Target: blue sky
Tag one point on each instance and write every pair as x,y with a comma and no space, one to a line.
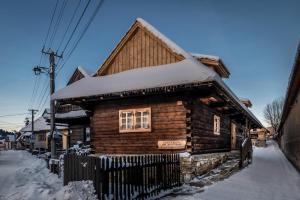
257,41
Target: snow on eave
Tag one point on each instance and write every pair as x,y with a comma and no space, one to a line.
291,93
71,114
172,45
85,72
187,71
239,102
198,55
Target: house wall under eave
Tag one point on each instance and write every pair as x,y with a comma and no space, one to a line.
168,122
290,140
203,138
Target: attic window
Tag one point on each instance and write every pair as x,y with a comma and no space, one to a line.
217,122
135,120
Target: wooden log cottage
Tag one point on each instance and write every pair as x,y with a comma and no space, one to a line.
74,116
151,96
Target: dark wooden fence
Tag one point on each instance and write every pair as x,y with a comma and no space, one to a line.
126,177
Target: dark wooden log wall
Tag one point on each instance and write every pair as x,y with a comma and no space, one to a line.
168,123
203,138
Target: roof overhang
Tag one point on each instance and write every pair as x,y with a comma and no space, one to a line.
292,89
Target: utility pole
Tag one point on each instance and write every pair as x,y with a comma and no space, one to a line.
51,71
33,111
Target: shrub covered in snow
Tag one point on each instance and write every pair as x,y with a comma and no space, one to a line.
80,149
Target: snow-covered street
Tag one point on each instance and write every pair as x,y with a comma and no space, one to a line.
271,176
26,177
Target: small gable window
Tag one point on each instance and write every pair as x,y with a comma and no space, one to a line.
135,120
217,123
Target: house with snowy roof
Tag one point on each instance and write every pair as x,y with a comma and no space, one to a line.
40,137
151,96
74,116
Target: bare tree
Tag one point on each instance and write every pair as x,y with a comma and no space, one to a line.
272,113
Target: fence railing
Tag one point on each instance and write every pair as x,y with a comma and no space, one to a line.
246,151
125,177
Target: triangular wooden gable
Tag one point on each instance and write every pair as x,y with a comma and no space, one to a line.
77,75
140,47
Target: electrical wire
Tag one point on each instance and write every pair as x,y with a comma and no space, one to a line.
82,34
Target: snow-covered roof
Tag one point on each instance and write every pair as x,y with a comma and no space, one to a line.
40,124
172,45
27,134
71,114
85,72
183,72
198,55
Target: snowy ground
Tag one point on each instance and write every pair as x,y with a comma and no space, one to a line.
25,177
271,176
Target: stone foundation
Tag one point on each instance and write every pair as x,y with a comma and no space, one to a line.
197,165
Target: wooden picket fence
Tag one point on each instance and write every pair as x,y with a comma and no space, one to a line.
125,177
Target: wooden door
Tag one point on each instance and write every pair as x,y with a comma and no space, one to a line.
233,136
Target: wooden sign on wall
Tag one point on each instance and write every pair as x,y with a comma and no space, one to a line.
171,144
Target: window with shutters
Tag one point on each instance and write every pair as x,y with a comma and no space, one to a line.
217,123
135,120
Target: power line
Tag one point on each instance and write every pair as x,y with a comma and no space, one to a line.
68,27
43,107
42,101
12,115
73,32
33,97
59,17
82,34
43,88
49,28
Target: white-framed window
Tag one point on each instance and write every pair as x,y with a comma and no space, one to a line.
217,125
135,120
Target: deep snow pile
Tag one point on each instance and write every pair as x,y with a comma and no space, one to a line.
79,190
270,176
26,177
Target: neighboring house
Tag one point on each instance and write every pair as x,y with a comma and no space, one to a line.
41,134
259,137
78,120
151,96
289,129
